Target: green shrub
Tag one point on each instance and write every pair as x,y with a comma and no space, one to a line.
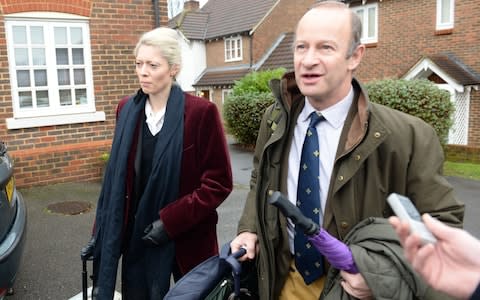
420,98
256,81
244,107
243,114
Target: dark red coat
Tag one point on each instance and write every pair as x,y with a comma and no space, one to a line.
206,181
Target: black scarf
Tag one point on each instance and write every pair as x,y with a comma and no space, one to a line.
162,188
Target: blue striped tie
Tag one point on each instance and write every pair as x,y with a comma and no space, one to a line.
307,259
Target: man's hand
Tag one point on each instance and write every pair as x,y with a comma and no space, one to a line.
87,251
355,285
155,234
246,240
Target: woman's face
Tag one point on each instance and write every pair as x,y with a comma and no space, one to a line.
154,73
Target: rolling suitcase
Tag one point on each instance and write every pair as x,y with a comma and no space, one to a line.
85,259
220,277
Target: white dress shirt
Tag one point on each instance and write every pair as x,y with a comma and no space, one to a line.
154,120
329,132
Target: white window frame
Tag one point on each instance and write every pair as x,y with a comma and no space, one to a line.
54,113
233,48
362,12
441,25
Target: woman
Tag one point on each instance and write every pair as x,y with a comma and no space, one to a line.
168,171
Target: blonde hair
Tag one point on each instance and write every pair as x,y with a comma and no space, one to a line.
166,40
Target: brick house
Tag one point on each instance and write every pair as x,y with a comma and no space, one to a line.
438,40
236,36
64,67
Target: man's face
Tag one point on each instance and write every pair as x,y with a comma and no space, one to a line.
322,70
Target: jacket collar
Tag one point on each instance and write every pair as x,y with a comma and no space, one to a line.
288,94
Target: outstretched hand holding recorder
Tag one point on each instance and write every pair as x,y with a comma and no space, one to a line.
406,211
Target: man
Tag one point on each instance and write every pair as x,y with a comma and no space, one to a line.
366,151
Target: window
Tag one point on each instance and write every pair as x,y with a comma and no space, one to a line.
233,49
50,71
369,16
445,9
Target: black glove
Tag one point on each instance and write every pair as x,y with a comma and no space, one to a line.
87,251
155,234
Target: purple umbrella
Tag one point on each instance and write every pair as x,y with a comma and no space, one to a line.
335,251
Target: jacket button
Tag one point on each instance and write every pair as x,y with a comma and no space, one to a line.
340,178
344,225
357,157
377,134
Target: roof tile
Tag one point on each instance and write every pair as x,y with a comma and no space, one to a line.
281,55
221,77
456,69
219,18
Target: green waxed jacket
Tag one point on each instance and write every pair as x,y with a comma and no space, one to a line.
375,245
381,151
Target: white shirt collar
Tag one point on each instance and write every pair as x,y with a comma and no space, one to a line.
154,120
335,114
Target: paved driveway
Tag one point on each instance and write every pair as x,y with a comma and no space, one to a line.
51,268
469,192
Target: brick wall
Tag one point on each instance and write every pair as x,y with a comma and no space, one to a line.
407,33
215,50
460,153
283,18
216,97
474,121
65,153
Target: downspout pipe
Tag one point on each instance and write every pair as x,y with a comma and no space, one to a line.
157,13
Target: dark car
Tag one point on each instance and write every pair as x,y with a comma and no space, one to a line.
13,224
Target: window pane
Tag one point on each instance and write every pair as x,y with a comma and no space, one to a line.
60,35
21,57
77,56
42,99
25,99
79,76
19,34
227,49
360,14
40,77
234,48
65,97
63,77
76,36
239,48
81,96
36,35
62,56
23,78
371,22
445,11
38,57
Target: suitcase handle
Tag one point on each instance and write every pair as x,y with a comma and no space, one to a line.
232,260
